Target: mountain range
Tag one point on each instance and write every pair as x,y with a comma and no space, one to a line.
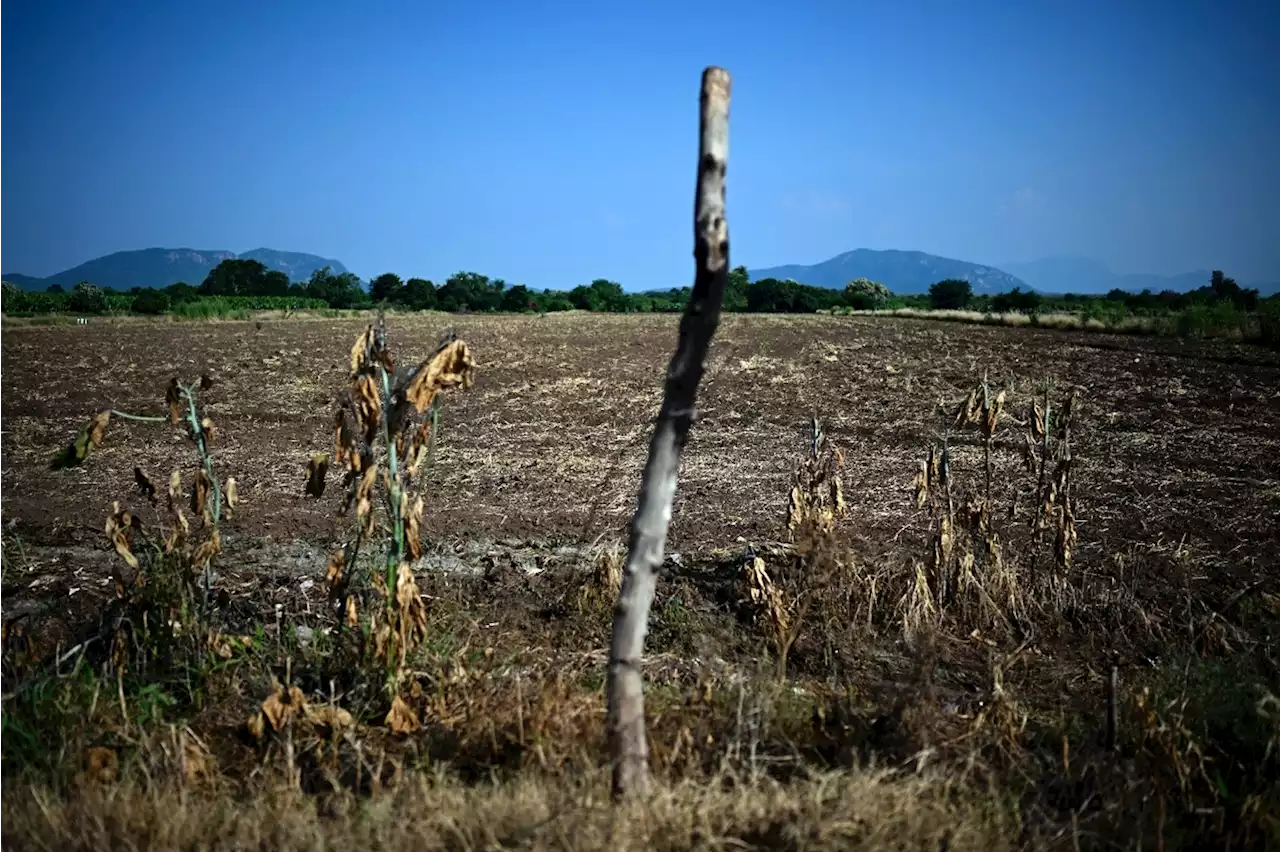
913,271
160,267
900,271
1085,275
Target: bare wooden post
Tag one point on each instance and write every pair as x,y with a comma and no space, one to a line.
628,748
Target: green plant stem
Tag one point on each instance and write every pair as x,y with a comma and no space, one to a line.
206,460
124,415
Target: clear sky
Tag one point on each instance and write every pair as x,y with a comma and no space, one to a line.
551,143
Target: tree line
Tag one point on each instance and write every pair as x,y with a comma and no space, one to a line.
246,284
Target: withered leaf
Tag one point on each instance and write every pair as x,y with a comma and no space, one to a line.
368,402
360,351
232,496
197,762
89,437
200,496
144,485
344,438
175,489
173,399
413,530
206,551
207,431
400,718
337,562
1037,421
326,715
452,366
364,495
98,427
119,529
282,706
317,469
101,765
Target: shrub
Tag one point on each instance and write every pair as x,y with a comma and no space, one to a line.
865,295
950,294
1269,323
1016,300
11,298
87,298
1219,320
150,302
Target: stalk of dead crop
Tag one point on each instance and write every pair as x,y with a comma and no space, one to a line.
1043,428
625,693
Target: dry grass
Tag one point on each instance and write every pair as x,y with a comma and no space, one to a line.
869,809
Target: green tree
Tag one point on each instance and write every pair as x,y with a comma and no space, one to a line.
735,291
418,294
863,294
387,287
1016,300
273,283
180,292
468,291
11,296
601,295
517,299
54,288
235,277
771,296
1226,289
340,291
87,298
551,301
950,294
150,302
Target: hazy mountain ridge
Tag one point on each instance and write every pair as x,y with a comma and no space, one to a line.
900,271
1088,276
26,282
160,267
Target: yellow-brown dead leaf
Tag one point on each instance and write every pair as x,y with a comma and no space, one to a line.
173,399
400,718
317,469
101,765
452,366
282,706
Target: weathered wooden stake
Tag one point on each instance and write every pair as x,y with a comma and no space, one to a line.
628,749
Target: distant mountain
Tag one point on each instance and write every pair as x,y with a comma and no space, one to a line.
1084,275
160,267
297,265
900,271
26,282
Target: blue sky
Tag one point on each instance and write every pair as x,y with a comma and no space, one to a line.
551,143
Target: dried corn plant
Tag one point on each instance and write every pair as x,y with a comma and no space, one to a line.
165,568
384,431
1055,512
599,590
970,573
807,573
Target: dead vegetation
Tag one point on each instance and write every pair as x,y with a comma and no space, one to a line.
937,656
